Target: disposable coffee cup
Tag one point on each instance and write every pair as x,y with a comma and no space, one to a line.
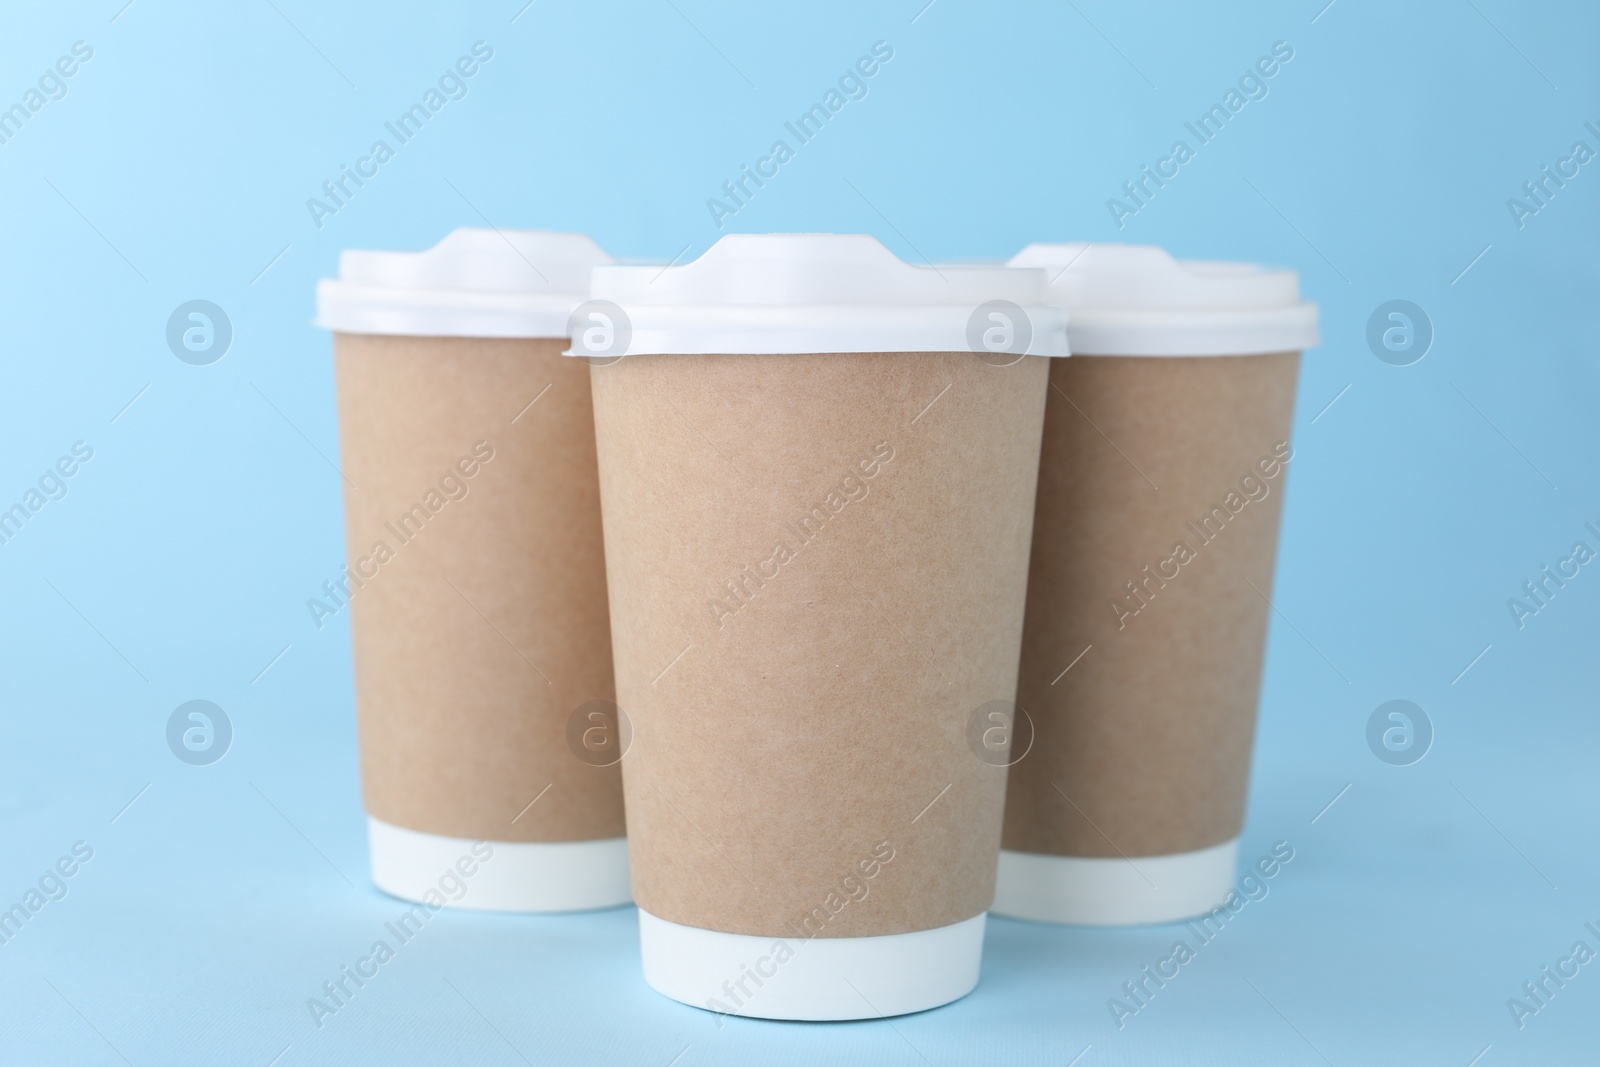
476,581
1161,481
818,497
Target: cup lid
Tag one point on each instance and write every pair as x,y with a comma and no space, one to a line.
476,282
827,292
1136,300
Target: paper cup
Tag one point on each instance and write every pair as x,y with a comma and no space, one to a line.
817,507
476,583
1161,481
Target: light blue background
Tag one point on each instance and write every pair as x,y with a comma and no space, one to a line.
177,167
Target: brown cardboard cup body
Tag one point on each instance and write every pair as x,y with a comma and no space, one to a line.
817,567
1143,747
480,622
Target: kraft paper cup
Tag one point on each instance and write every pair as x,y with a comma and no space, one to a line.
1161,481
818,498
476,583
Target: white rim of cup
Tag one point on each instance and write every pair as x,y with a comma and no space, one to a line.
520,876
1114,891
817,979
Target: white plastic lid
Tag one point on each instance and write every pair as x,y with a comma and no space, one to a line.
826,292
1136,300
474,283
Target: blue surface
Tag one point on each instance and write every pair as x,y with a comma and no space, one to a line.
176,166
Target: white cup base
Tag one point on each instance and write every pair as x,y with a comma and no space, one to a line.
816,979
1094,891
531,876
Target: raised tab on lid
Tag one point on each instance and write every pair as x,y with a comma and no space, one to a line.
475,283
475,258
795,293
1137,300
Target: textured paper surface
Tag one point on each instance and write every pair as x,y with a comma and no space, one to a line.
1143,746
483,632
799,765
